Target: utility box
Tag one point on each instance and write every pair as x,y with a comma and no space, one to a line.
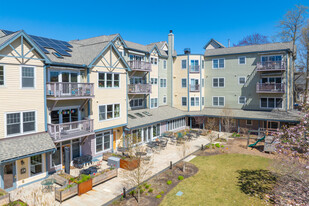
113,162
270,144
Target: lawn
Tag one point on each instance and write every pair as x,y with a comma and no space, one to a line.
216,181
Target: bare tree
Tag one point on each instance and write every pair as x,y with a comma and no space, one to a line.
253,39
291,26
183,152
227,120
305,54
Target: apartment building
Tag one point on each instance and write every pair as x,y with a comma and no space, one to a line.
61,100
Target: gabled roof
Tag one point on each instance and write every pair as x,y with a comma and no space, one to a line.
284,46
214,42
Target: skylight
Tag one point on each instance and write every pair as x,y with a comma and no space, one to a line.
139,115
131,116
147,113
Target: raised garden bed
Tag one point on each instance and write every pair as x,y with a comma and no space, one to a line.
104,176
4,197
129,164
84,187
62,178
66,191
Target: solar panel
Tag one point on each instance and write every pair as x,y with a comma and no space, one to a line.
60,47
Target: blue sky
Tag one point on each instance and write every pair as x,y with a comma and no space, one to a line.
193,22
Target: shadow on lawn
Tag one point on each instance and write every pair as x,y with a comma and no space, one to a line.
258,183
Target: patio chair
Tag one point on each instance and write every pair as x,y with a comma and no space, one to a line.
164,144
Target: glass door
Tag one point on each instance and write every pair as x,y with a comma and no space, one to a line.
8,176
69,77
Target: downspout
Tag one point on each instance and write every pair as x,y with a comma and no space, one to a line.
286,86
88,80
188,84
201,83
45,105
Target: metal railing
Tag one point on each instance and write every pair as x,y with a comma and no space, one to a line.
271,65
139,88
69,129
69,89
270,88
194,87
194,68
140,65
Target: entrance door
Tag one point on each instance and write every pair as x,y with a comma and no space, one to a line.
8,176
69,89
63,154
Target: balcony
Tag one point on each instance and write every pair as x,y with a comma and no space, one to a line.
194,87
69,90
271,66
139,88
194,69
70,130
137,65
270,88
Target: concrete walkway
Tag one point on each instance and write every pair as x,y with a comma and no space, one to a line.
105,192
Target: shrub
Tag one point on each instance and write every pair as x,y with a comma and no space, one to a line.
169,182
141,191
150,190
207,146
217,145
83,178
162,192
147,186
72,179
158,196
222,146
132,192
180,177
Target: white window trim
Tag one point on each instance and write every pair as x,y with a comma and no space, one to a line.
150,103
137,106
4,75
242,57
242,103
181,64
249,124
104,120
21,123
21,77
239,80
212,99
212,83
29,166
272,55
181,83
267,103
186,102
110,141
163,83
154,83
113,81
164,63
218,63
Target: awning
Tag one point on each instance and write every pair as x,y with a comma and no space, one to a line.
14,148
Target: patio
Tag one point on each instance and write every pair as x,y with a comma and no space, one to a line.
108,190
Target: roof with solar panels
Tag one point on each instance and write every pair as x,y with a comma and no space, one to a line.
80,52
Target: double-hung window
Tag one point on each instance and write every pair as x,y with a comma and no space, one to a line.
218,82
195,101
163,83
109,80
184,101
241,100
164,99
154,60
218,63
218,101
103,141
183,64
1,75
154,81
110,111
27,77
183,83
153,102
241,60
20,122
241,80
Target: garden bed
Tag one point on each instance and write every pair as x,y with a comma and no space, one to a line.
4,197
104,176
153,191
62,178
66,191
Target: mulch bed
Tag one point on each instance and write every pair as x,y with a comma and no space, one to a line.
159,184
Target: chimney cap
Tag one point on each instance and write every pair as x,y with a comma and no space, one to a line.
171,31
187,51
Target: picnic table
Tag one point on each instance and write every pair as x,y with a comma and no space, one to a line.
48,184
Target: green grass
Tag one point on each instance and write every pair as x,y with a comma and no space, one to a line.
216,183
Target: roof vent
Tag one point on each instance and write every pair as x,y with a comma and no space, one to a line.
187,51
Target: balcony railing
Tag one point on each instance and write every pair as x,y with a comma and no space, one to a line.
69,90
140,88
194,69
140,65
70,130
270,88
194,87
271,66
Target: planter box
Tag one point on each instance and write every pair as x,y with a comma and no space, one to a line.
4,199
60,180
62,194
84,187
104,177
129,164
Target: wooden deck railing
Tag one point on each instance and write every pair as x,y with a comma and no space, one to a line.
70,129
140,65
270,88
271,66
69,89
140,88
